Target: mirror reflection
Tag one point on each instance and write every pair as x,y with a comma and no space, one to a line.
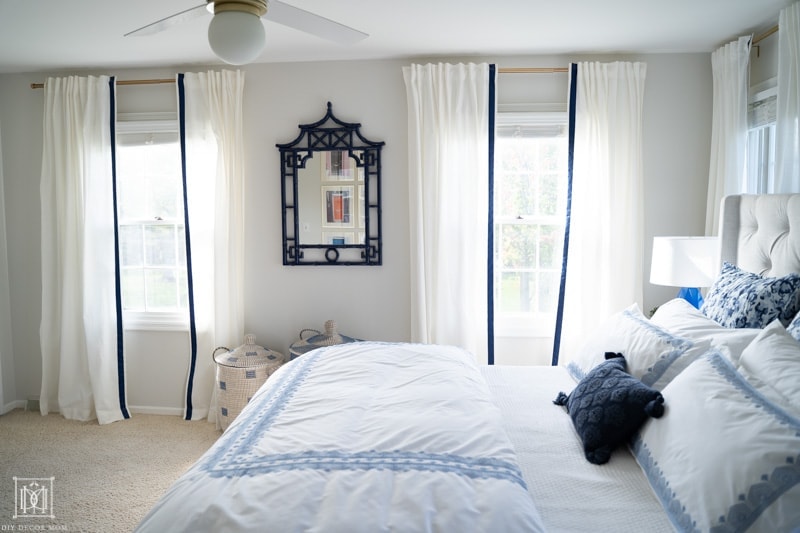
331,199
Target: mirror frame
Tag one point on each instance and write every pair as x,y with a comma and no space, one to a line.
324,135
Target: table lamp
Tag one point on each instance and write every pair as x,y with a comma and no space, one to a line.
686,262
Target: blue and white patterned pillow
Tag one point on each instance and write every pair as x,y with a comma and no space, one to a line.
740,299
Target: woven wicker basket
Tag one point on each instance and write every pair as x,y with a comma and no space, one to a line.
329,337
240,373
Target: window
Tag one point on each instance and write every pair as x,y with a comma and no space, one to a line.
760,155
151,223
530,195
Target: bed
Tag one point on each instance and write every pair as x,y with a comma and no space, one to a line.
374,436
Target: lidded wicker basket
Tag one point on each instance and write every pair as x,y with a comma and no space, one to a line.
240,373
328,337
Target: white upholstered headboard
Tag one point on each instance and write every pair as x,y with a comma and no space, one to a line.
761,233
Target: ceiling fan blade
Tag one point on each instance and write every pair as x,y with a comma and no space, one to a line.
167,22
302,20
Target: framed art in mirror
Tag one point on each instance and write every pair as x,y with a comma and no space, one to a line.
331,195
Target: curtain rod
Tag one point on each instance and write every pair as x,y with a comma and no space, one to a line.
766,34
122,82
531,70
507,70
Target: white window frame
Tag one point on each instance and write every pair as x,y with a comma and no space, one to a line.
128,123
760,154
535,324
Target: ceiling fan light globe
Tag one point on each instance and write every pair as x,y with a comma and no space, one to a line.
236,38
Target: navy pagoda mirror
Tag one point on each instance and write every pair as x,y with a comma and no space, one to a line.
331,195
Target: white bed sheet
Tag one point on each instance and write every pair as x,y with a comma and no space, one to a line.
571,494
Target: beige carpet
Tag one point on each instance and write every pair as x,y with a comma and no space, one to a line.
105,478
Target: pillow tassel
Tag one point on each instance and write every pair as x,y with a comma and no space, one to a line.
655,407
561,399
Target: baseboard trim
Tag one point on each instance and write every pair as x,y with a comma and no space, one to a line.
134,409
151,410
16,404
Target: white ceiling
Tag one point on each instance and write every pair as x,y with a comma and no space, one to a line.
56,35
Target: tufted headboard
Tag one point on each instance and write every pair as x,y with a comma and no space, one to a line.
761,233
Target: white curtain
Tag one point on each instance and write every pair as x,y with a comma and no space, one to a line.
787,124
214,156
604,266
82,368
448,118
728,126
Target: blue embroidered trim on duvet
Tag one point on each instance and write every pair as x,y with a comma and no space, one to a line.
233,456
397,461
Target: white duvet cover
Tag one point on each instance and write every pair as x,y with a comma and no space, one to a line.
359,437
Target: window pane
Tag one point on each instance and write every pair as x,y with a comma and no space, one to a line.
181,245
163,158
162,289
183,290
518,245
130,243
549,283
550,194
760,157
131,190
133,289
513,295
160,245
551,245
516,195
551,154
163,196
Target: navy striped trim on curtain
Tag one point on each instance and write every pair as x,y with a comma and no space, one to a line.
189,276
490,254
573,85
123,404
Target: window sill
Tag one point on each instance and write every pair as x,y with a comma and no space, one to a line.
530,325
155,321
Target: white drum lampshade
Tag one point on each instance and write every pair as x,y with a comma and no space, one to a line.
686,262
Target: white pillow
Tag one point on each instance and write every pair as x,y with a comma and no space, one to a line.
681,318
653,354
722,456
772,364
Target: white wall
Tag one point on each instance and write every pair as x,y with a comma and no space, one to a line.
8,388
367,302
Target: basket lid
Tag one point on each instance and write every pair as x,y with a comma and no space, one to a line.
248,355
329,337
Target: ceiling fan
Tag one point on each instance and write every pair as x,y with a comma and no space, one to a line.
236,33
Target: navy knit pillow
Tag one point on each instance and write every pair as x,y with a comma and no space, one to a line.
608,406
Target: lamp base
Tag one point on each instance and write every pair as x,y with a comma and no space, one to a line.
691,295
